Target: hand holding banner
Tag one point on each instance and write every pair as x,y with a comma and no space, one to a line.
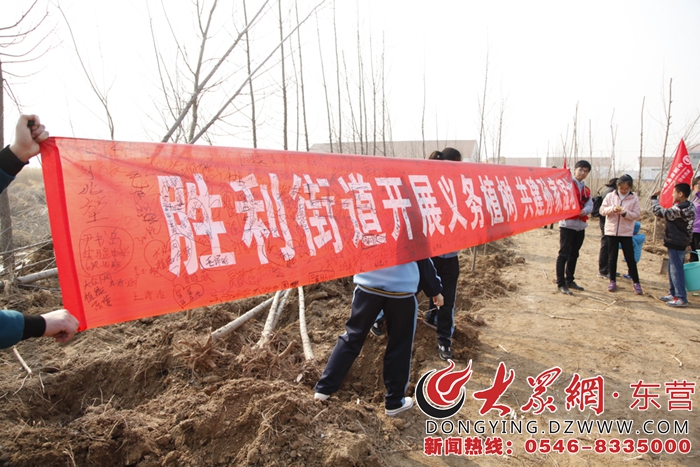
144,229
681,171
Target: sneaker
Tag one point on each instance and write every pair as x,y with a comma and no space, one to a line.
377,329
627,276
574,285
612,286
444,352
677,303
638,288
667,298
407,404
603,275
321,397
565,290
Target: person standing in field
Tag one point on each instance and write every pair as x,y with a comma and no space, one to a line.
621,209
677,235
442,318
572,231
393,291
603,256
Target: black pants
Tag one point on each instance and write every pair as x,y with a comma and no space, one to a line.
570,242
627,251
401,315
695,245
448,270
603,255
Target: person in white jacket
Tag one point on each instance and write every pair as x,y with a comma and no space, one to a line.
621,209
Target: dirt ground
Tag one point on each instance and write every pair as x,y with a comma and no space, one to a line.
151,392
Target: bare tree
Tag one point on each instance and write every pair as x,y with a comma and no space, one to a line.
301,80
284,76
17,46
101,94
564,145
422,120
384,102
690,133
353,121
337,75
575,135
590,141
361,111
613,135
237,92
499,131
325,87
375,91
482,112
204,73
641,147
253,117
668,126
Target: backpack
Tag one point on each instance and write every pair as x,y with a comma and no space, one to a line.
597,203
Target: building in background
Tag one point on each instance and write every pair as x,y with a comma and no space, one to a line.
421,150
405,149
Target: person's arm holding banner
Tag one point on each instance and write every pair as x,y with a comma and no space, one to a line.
29,133
14,326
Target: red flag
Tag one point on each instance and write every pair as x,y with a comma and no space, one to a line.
681,171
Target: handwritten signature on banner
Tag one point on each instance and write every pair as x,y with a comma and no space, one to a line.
155,228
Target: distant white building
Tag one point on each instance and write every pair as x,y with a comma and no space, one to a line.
421,150
651,166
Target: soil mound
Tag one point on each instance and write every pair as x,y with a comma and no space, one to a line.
156,392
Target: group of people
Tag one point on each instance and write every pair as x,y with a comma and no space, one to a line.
619,212
384,301
15,326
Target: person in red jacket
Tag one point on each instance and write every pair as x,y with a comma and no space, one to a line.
572,231
621,209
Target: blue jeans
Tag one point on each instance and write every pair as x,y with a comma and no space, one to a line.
676,274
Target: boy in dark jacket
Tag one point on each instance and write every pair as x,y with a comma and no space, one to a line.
677,236
392,290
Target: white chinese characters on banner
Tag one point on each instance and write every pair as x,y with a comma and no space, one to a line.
189,211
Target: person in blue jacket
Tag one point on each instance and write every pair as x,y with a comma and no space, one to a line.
392,290
14,326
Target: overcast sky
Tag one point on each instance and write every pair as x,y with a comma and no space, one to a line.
544,57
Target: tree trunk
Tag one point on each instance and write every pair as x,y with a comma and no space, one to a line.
301,77
253,122
284,77
337,75
641,147
5,213
325,87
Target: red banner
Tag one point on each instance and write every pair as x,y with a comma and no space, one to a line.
145,229
681,171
